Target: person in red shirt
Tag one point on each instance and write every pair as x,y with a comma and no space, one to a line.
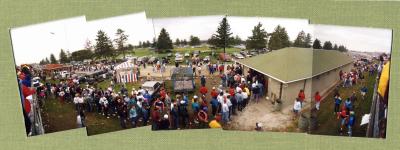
232,91
317,98
301,97
214,93
162,94
203,90
221,69
155,116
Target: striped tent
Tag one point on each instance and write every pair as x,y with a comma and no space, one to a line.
126,72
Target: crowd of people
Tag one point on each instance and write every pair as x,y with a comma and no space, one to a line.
210,105
344,107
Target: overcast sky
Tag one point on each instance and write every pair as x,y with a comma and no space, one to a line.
136,26
35,42
243,26
182,27
356,38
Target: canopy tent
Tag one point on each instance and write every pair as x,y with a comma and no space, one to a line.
126,72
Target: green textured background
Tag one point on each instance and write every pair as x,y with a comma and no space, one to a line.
383,14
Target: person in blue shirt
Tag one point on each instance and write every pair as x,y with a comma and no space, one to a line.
351,122
348,104
214,106
338,101
133,115
364,91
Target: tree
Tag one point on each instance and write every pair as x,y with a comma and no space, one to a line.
222,38
63,57
177,42
154,43
53,59
47,61
258,40
300,40
103,46
121,40
184,42
193,40
42,62
237,40
279,39
342,48
307,41
317,44
81,55
327,45
164,42
335,47
140,44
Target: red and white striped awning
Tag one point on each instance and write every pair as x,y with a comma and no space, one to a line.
125,65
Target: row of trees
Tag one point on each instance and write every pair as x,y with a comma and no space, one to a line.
65,57
104,47
261,39
329,46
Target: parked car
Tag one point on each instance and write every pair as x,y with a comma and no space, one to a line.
169,55
143,59
187,54
224,57
178,58
196,53
253,52
153,60
238,56
245,53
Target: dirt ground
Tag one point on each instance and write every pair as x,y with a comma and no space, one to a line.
262,112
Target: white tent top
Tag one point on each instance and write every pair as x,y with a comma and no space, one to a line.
125,65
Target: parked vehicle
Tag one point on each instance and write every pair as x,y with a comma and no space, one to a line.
169,55
143,59
238,56
196,53
153,60
187,55
178,58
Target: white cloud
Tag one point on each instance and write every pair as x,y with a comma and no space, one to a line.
136,26
356,38
242,26
35,42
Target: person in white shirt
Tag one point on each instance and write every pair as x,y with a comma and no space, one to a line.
225,111
104,105
297,106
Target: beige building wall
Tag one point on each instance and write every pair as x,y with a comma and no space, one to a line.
325,82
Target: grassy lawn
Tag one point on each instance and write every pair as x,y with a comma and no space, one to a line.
328,124
57,116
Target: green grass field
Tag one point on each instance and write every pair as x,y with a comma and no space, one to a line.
328,124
